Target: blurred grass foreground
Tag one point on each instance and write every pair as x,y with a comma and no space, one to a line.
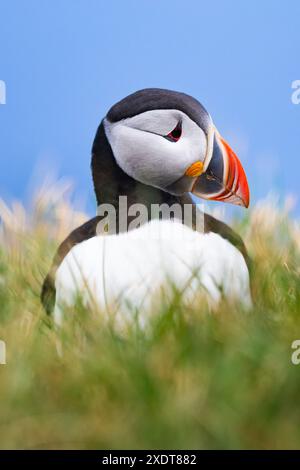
194,379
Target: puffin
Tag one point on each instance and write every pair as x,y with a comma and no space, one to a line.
155,153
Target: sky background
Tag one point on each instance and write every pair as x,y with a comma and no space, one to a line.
65,62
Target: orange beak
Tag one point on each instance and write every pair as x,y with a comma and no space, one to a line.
224,178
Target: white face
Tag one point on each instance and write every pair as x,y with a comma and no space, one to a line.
142,151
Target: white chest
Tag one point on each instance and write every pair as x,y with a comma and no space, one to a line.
126,272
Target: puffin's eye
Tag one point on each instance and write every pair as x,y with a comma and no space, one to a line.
175,134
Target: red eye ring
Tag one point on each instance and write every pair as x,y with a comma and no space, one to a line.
175,134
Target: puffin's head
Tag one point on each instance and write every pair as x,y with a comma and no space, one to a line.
167,140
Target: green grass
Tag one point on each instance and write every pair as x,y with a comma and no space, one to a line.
193,379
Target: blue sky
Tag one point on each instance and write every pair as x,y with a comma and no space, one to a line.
66,62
